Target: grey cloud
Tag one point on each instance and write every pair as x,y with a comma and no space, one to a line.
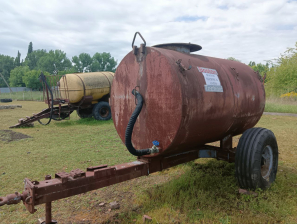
247,30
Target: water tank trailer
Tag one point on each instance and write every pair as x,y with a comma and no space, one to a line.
167,105
87,93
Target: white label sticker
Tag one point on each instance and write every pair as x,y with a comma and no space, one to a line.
212,80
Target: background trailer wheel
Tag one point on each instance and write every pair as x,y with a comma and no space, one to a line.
256,159
84,113
102,111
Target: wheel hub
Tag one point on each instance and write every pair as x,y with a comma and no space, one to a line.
104,112
266,162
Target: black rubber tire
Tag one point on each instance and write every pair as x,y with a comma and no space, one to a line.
250,165
102,111
84,113
5,100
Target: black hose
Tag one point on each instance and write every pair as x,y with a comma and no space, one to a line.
43,79
130,126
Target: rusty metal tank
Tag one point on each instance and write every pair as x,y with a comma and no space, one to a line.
77,85
189,99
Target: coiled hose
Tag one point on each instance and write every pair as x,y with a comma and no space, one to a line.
130,126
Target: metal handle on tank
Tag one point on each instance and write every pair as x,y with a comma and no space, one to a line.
141,38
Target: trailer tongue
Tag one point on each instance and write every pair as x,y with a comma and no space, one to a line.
77,181
59,113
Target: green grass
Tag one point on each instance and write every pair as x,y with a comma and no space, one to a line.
203,191
23,96
208,192
281,105
280,108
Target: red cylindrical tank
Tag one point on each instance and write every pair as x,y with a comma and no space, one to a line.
189,99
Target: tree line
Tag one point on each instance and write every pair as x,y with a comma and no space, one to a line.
280,74
24,73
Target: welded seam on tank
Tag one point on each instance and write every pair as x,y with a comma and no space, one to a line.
81,101
82,83
107,80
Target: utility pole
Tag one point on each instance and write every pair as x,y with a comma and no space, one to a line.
6,82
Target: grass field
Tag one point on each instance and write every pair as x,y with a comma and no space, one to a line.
281,105
203,191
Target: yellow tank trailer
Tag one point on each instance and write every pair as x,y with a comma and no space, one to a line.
89,92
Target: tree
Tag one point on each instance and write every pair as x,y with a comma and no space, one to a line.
283,75
103,62
17,61
233,59
252,63
31,79
67,71
54,58
82,63
6,65
261,68
16,76
30,48
32,58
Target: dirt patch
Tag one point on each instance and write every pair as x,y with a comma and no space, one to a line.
8,136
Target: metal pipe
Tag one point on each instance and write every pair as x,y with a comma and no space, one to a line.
48,213
48,207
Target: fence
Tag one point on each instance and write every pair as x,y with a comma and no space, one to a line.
14,89
24,95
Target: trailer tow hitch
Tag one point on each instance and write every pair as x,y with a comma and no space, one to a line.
13,198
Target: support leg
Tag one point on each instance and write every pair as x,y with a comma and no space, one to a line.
48,213
48,209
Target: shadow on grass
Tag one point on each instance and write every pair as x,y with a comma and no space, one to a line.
209,192
85,121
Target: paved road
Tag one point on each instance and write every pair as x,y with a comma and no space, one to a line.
280,114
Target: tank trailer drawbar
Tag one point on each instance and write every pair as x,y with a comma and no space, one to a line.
167,105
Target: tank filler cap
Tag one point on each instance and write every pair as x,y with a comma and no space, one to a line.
180,47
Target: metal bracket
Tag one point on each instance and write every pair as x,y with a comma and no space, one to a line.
182,67
236,72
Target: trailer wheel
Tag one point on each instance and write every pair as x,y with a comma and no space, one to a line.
102,111
256,159
84,113
5,100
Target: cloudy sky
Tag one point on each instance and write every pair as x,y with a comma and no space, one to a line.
249,30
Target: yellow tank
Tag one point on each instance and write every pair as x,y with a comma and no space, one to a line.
77,85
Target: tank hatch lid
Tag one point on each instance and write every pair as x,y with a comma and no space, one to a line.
181,47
